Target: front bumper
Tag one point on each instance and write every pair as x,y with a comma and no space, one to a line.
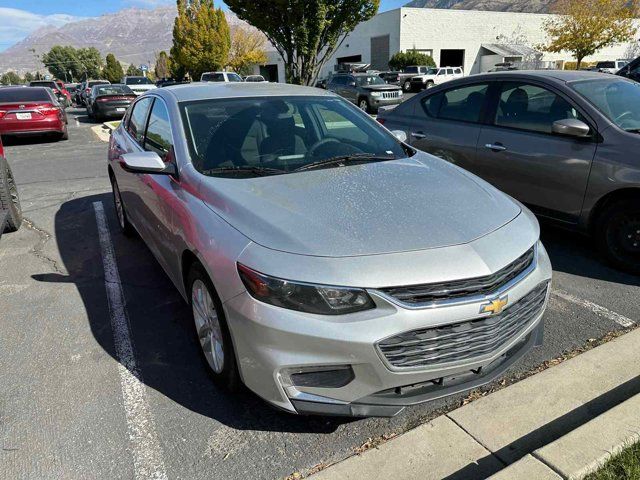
292,340
383,102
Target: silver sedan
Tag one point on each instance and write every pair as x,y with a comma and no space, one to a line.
330,267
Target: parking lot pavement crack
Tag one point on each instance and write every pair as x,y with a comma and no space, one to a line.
38,248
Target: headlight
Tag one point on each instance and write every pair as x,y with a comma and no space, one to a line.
376,94
304,297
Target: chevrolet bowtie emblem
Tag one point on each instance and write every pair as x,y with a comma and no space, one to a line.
495,306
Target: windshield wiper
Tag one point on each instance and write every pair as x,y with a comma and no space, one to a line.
344,159
245,169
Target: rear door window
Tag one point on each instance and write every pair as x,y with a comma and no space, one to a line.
462,104
138,119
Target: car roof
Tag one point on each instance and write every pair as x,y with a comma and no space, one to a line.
562,76
210,90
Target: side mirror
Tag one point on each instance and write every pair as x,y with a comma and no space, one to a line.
400,135
571,127
147,162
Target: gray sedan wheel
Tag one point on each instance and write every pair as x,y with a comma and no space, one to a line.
211,329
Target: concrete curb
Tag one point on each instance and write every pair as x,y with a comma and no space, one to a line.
561,423
102,132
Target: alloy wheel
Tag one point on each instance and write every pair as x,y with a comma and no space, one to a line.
364,106
208,326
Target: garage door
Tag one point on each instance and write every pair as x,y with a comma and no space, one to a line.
380,53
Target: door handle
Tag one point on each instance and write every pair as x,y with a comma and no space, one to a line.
418,135
496,147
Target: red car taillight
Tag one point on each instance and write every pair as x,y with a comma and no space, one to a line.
2,113
48,109
87,90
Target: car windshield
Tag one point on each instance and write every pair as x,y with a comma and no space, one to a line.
432,71
138,81
23,95
411,70
114,90
212,77
369,80
617,99
44,84
234,77
280,135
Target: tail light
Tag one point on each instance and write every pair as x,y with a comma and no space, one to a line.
87,90
48,109
2,113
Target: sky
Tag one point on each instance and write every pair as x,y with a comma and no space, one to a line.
18,18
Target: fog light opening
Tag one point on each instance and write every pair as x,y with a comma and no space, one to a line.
335,376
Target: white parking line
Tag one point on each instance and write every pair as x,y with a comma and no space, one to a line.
595,308
147,453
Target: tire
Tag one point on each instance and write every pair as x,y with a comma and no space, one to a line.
617,234
211,329
9,199
363,104
121,212
65,133
406,86
430,84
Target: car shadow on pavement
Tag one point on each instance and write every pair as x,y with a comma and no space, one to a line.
10,141
166,349
575,254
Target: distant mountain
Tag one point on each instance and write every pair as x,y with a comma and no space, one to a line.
133,35
532,6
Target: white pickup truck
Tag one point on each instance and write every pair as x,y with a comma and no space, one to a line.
435,76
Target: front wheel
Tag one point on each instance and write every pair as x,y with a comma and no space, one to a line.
617,233
363,104
430,84
212,330
406,86
9,200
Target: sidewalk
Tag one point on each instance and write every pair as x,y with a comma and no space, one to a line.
561,423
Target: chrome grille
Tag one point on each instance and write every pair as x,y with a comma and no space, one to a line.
393,94
433,292
463,341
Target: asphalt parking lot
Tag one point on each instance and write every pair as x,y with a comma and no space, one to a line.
66,409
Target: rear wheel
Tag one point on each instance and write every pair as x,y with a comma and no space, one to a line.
617,233
212,329
9,200
406,86
65,133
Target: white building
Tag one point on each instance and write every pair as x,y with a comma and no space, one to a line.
473,39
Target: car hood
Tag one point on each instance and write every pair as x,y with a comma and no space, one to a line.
376,88
369,209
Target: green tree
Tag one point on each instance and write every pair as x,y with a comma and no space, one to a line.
305,32
113,69
61,60
162,69
247,49
28,77
201,38
90,63
401,60
583,27
176,70
133,71
10,78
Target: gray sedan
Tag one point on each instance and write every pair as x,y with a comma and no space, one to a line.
564,143
330,267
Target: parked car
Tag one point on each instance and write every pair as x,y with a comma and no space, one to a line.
55,88
77,98
369,92
10,211
31,111
72,88
220,77
611,66
88,85
138,85
435,76
631,70
109,101
68,100
330,267
564,143
255,79
408,73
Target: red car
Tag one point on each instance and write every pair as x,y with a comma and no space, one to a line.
31,111
64,91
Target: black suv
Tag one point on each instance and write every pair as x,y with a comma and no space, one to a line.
367,90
